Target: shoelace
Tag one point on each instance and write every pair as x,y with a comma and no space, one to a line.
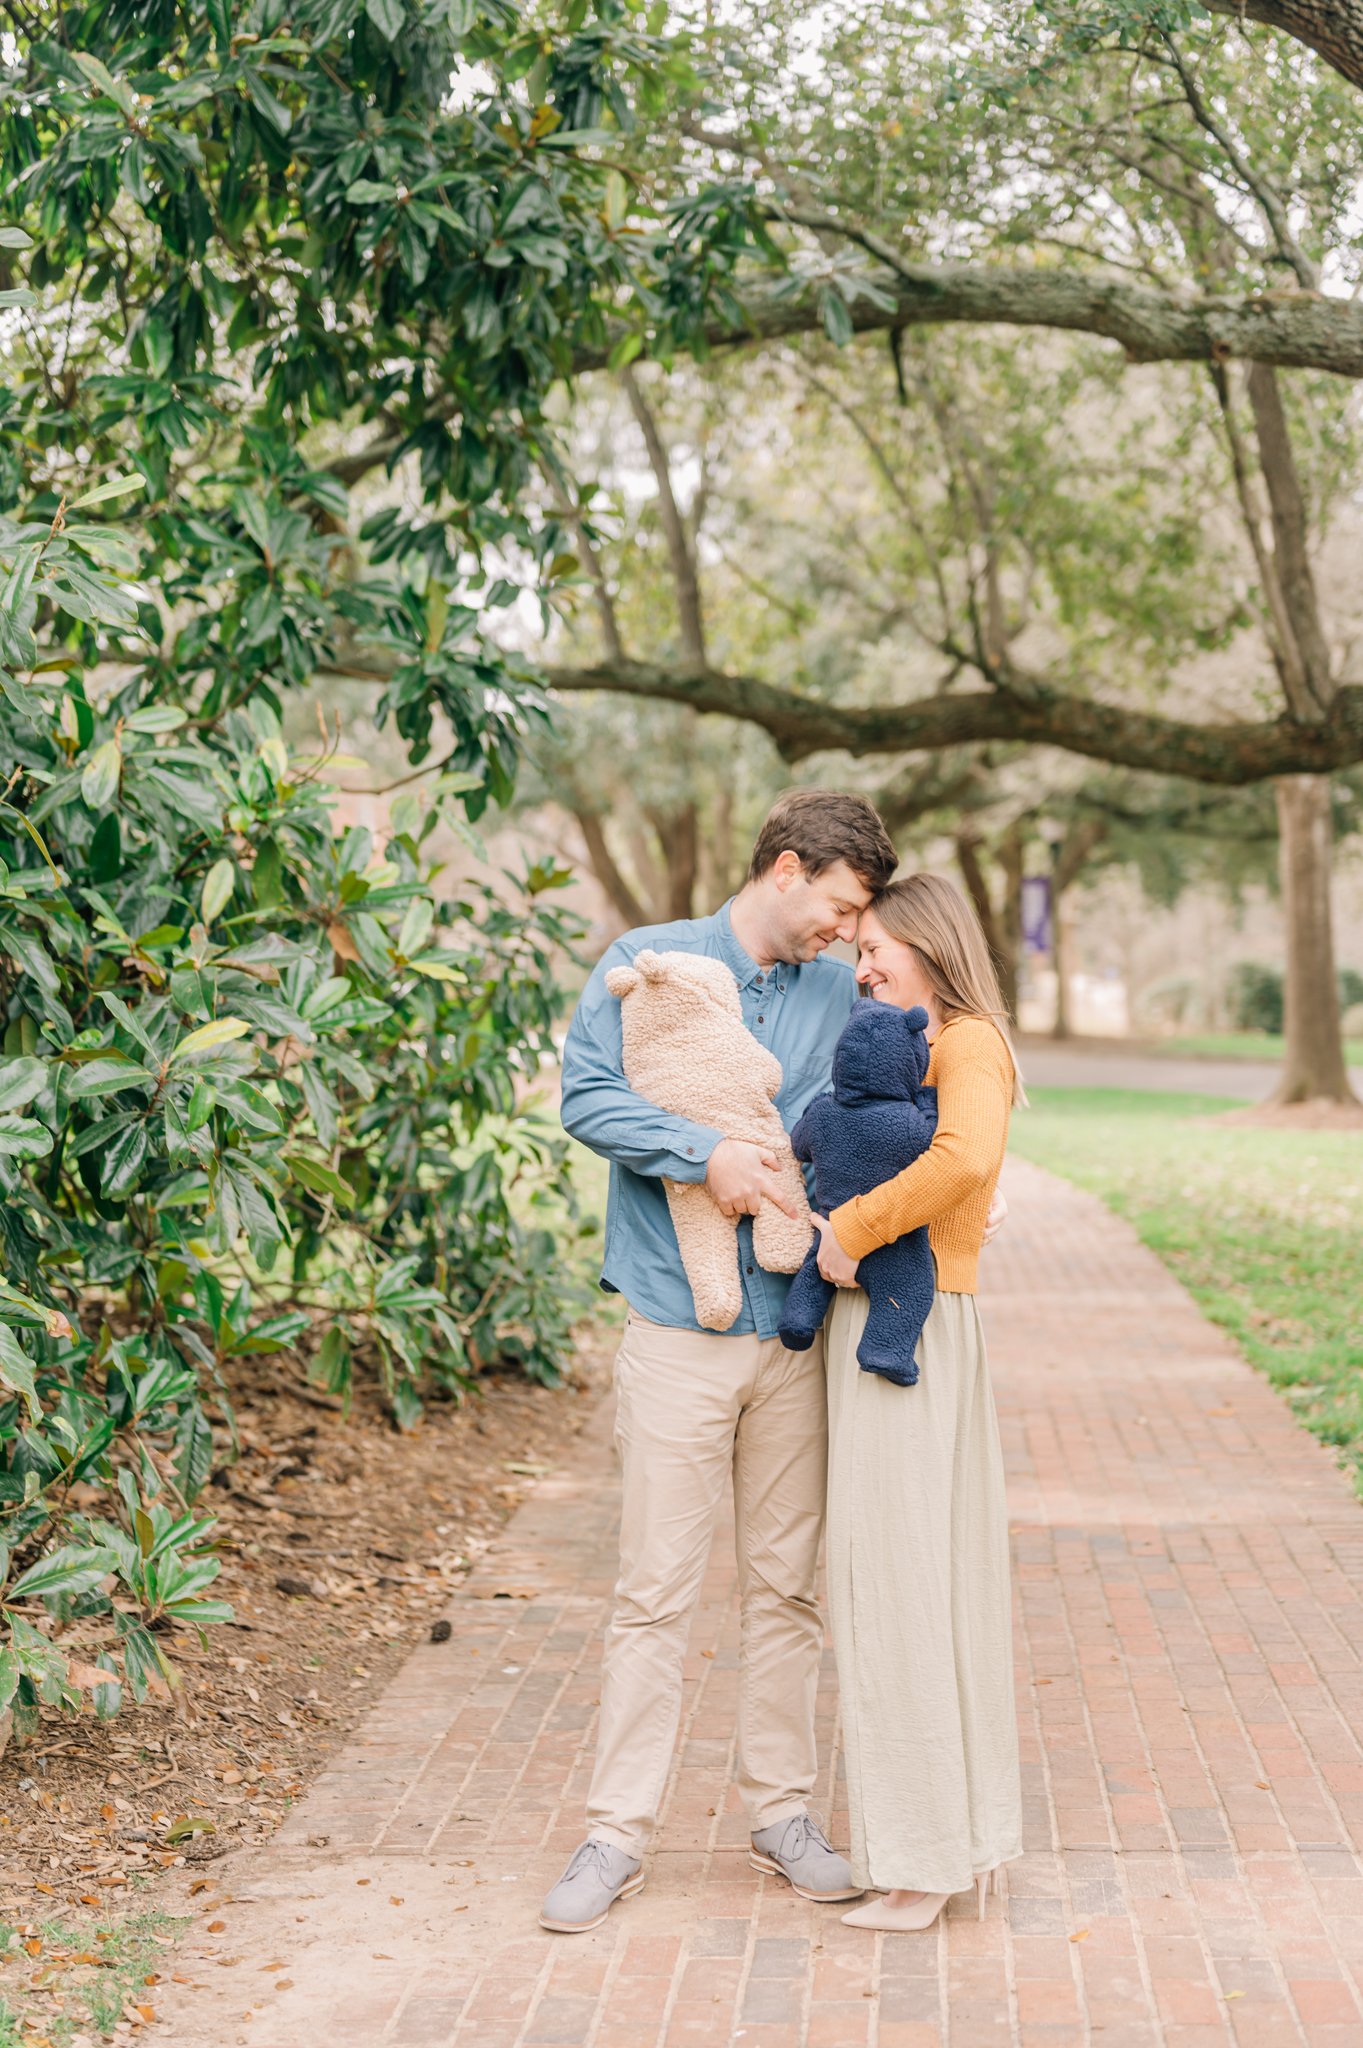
590,1852
807,1831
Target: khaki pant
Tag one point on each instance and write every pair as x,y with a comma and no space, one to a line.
694,1407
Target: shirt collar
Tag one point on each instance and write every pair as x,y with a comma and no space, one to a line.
736,956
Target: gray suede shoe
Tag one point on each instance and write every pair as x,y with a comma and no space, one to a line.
798,1850
597,1875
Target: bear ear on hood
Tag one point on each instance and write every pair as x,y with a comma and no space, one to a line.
651,965
916,1018
621,980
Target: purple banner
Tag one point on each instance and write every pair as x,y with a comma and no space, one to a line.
1036,913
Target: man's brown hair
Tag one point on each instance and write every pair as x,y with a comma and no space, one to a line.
824,826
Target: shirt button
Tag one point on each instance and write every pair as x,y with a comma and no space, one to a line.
750,1269
761,1020
690,1151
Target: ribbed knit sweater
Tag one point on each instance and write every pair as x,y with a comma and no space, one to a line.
951,1186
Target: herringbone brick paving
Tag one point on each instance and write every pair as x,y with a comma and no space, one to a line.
1190,1694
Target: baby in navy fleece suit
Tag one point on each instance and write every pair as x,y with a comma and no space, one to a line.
877,1121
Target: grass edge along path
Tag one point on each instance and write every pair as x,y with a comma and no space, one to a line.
1262,1226
84,1976
1265,1046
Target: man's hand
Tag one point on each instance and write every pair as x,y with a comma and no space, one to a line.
742,1176
998,1211
835,1264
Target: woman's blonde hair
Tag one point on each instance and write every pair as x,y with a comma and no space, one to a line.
930,914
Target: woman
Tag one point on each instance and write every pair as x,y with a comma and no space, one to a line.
917,1524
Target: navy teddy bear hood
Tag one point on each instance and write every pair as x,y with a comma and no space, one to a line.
882,1054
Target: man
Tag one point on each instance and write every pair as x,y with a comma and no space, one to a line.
696,1406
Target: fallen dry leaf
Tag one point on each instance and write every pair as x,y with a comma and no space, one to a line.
1082,1935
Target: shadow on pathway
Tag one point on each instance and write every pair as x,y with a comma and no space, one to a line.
1190,1694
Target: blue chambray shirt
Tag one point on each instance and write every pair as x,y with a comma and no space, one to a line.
796,1012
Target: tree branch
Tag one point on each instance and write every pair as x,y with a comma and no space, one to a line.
569,511
679,551
1262,188
1228,754
1291,329
1281,639
1290,552
1332,28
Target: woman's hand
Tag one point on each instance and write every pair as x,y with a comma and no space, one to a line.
998,1212
835,1264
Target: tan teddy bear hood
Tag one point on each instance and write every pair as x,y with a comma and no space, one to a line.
687,1049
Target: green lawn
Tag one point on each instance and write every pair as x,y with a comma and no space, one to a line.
1239,1045
1264,1227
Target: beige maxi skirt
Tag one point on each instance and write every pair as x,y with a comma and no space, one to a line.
920,1599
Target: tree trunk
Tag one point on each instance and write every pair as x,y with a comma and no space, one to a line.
1314,1066
678,835
968,847
606,870
715,859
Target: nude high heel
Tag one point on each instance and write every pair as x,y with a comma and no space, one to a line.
888,1919
987,1881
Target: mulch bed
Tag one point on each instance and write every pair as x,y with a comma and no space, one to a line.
341,1541
1297,1116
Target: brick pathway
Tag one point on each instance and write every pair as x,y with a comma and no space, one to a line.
1190,1693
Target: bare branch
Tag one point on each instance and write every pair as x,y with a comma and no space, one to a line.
882,461
591,563
679,550
1262,188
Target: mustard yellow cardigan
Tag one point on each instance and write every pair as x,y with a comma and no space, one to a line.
951,1186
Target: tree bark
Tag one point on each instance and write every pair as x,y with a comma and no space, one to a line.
1332,28
1313,1066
